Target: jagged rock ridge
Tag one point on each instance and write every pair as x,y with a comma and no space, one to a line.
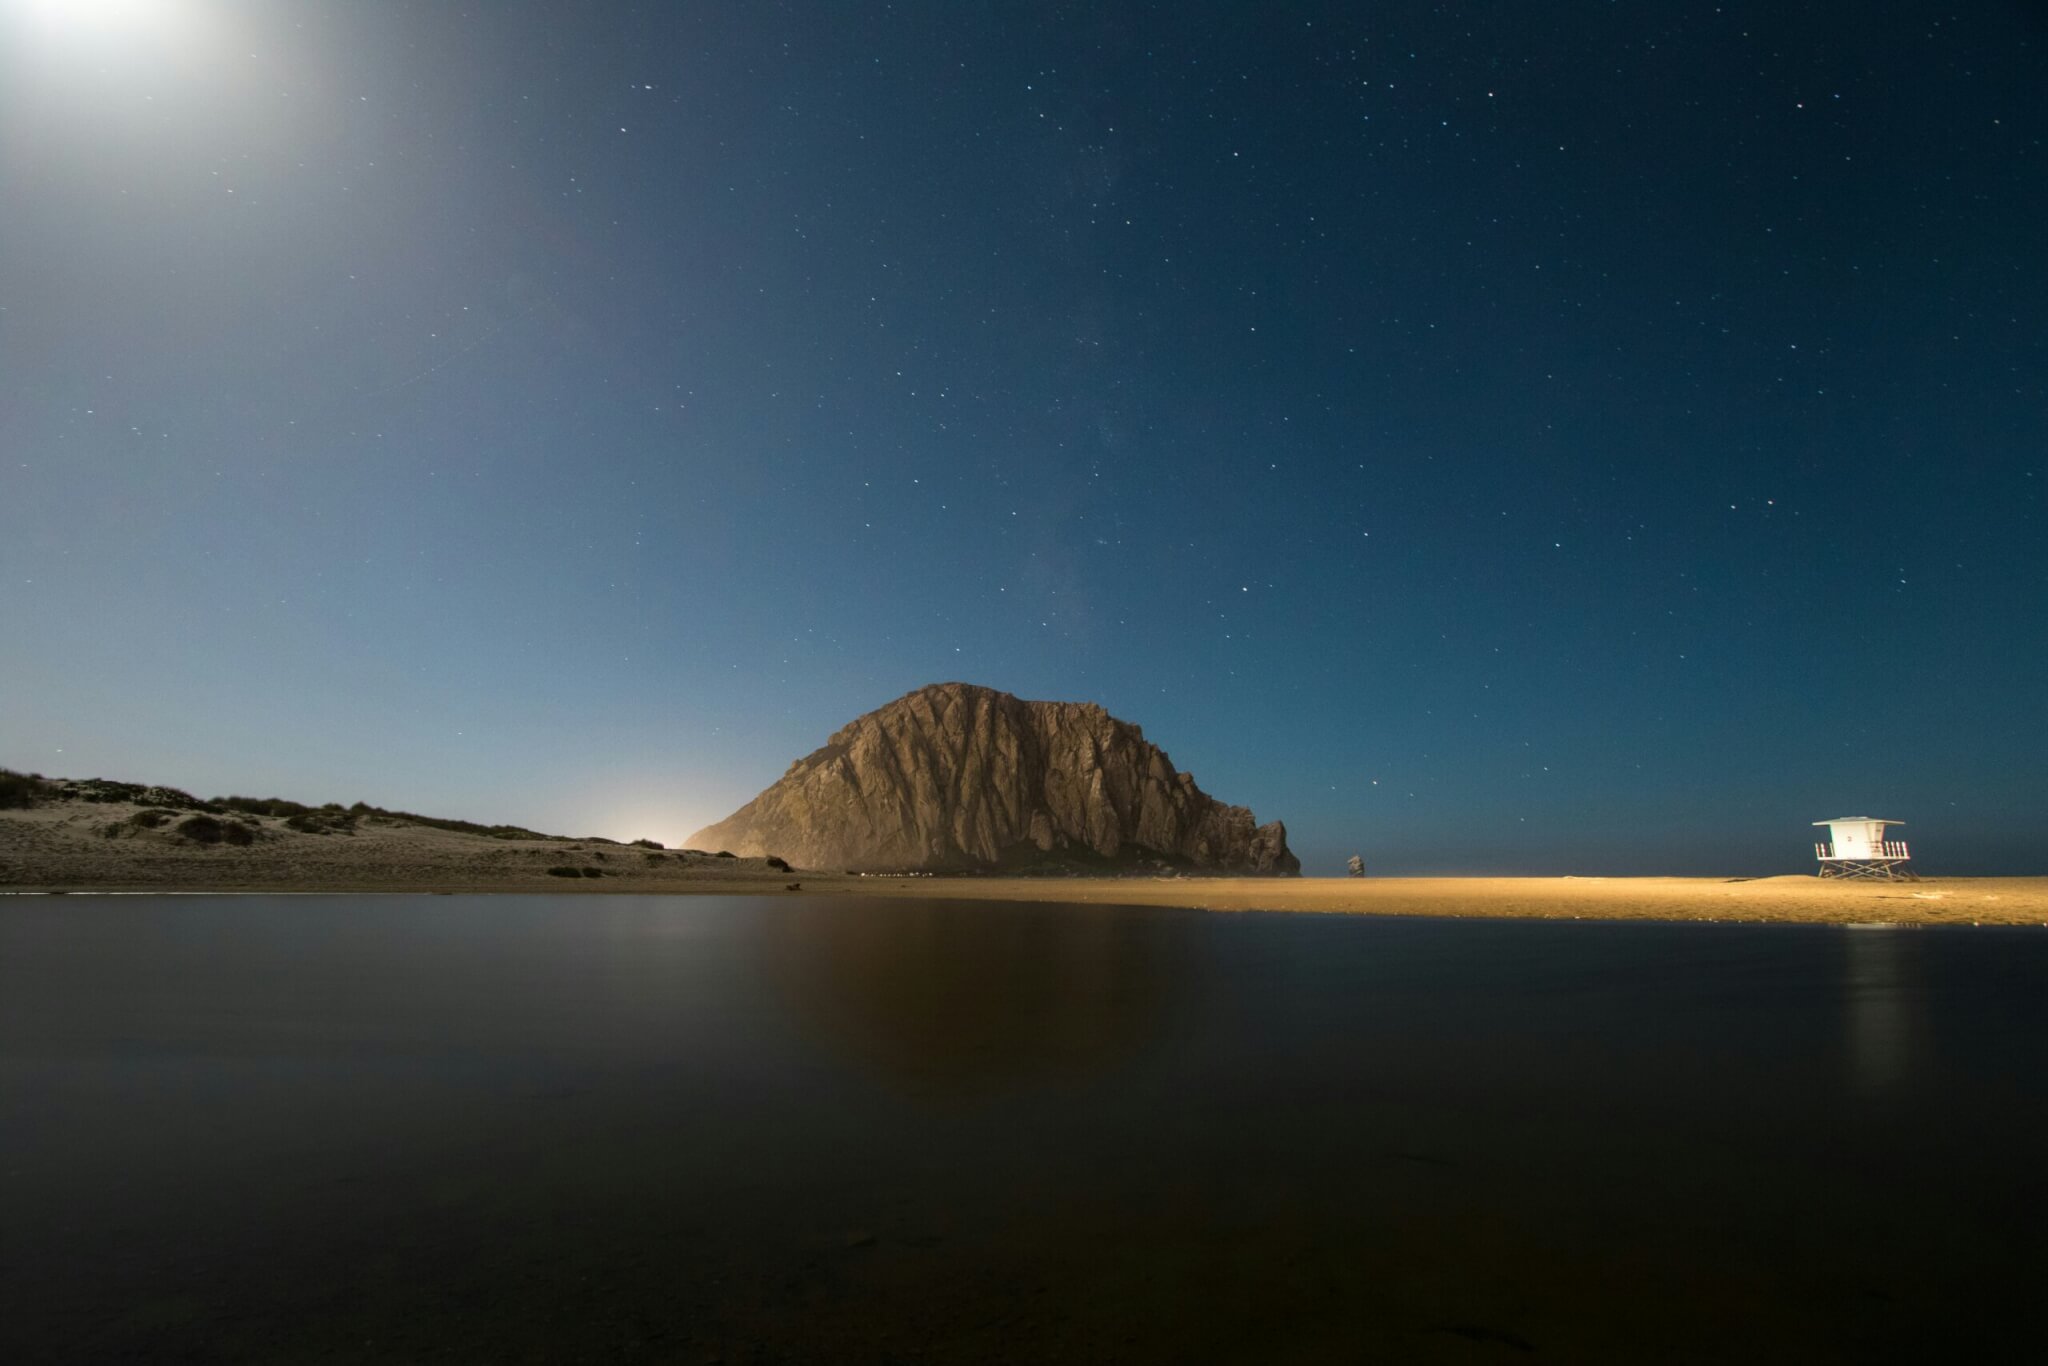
959,777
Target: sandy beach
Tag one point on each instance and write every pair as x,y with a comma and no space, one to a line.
80,847
1791,899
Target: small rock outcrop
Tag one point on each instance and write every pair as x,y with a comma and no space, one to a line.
959,778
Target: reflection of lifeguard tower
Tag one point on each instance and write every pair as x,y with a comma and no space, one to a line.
1856,847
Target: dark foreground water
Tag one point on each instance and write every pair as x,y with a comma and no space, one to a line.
691,1129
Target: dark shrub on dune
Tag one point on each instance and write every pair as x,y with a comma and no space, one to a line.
725,853
779,865
20,790
263,806
564,870
649,844
208,830
107,790
593,872
363,810
326,820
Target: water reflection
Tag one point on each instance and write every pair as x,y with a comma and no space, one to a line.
671,1128
1879,1001
942,1001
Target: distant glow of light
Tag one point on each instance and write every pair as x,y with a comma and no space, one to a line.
101,18
134,34
71,55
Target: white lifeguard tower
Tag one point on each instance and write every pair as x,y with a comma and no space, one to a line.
1856,847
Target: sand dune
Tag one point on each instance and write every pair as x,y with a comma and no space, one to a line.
81,846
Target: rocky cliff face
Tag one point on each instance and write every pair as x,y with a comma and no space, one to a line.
956,777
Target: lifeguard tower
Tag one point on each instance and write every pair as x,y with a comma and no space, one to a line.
1856,847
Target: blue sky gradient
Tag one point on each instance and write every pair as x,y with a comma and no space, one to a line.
1547,439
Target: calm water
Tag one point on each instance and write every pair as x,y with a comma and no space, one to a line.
692,1129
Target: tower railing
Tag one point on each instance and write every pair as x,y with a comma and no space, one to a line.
1886,861
1891,849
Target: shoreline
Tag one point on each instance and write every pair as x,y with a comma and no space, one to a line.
1787,900
120,848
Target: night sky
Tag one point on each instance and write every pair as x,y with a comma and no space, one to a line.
1496,437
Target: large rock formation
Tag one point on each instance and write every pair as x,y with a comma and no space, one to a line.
956,777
